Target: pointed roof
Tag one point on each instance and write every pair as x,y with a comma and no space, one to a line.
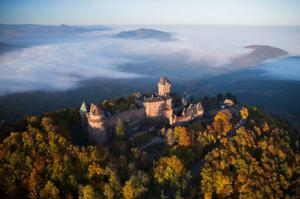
164,80
83,108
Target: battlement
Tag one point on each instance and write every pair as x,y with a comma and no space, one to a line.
154,105
156,98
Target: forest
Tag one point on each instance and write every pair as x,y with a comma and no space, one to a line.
242,154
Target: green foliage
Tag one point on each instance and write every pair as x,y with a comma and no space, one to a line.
49,191
44,164
249,154
120,130
141,139
250,164
136,186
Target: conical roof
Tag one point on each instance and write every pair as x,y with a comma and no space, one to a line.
83,108
164,80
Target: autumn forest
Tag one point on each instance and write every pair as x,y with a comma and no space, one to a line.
243,154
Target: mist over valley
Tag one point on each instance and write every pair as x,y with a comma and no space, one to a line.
45,68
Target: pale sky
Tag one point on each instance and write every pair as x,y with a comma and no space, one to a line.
208,12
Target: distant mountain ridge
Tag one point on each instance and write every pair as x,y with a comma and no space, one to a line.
143,33
9,47
259,54
33,30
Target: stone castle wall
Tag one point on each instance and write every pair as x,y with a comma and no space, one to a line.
157,108
125,116
97,135
96,128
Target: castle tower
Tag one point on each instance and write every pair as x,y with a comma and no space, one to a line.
83,111
164,86
96,124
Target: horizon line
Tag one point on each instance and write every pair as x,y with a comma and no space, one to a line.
146,24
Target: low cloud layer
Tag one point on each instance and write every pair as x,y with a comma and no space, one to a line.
62,66
59,66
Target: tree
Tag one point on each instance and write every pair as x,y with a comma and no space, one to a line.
168,169
244,113
34,184
50,191
248,165
259,159
265,127
87,192
163,131
47,123
221,124
184,140
136,185
120,131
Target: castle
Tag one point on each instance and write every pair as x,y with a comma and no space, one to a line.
158,105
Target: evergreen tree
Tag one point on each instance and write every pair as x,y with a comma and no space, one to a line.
119,128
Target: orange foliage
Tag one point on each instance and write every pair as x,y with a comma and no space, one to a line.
184,140
266,127
222,123
176,165
244,113
168,168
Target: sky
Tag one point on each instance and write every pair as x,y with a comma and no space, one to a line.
202,12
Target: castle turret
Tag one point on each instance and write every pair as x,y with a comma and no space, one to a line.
96,124
164,86
83,111
161,104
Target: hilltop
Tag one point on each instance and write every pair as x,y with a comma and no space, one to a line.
143,33
258,54
21,30
234,151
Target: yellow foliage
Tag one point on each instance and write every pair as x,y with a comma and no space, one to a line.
176,165
266,127
224,187
244,113
263,144
257,130
168,168
215,153
184,140
241,178
87,192
128,190
136,185
222,123
95,169
281,155
222,164
50,191
208,195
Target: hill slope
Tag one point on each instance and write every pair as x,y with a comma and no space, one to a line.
239,152
143,33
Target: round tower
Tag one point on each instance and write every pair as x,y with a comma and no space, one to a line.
95,118
96,124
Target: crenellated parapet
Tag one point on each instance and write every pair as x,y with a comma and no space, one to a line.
158,105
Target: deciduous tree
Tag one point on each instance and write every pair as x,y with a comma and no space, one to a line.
184,139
